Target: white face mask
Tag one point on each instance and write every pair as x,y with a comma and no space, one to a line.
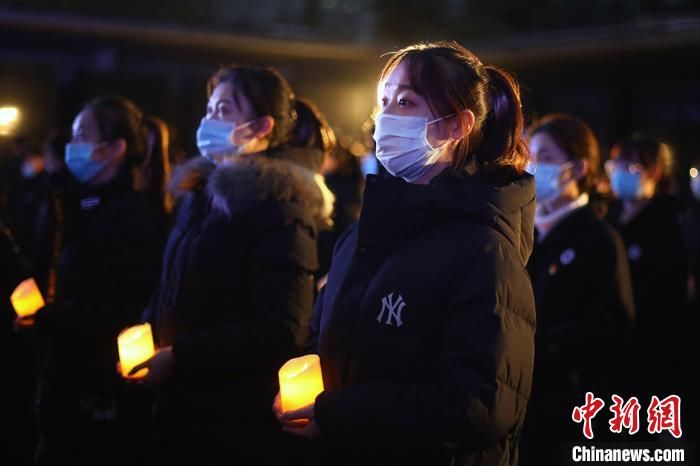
403,147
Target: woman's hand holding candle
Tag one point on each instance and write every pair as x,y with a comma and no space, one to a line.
24,323
301,380
27,299
135,347
160,367
300,422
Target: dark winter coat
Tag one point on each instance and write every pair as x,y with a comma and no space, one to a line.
585,307
234,302
426,325
658,266
585,314
108,267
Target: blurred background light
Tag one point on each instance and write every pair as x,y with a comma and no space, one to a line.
9,118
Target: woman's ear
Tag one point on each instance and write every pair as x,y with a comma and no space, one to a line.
264,127
581,169
117,149
461,126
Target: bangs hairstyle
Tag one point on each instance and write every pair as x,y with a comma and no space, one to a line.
452,80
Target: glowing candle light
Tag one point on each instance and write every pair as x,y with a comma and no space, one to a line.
135,346
27,299
301,381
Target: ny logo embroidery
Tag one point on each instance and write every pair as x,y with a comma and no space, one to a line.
393,310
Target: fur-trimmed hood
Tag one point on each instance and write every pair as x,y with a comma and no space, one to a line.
243,181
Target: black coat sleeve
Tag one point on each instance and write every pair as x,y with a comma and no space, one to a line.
483,373
281,297
13,269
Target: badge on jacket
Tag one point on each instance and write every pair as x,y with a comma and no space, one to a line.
567,256
634,252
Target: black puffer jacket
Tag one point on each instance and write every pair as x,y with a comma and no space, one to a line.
658,266
108,268
585,314
109,264
234,302
426,324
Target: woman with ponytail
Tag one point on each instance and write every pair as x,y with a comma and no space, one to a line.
104,251
153,175
425,327
582,287
236,291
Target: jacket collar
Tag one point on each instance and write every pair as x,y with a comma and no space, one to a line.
244,182
502,200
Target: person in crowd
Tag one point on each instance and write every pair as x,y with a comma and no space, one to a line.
236,291
691,230
153,175
25,196
59,186
582,286
104,264
640,170
425,328
54,152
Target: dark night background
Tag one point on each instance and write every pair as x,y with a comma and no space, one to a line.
622,65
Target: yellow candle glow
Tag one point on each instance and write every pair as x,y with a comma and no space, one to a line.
26,299
135,346
301,381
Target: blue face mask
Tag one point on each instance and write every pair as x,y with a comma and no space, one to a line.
547,186
215,137
626,185
695,187
79,161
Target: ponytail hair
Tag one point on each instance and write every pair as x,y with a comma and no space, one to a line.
453,80
502,135
312,129
119,118
153,175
